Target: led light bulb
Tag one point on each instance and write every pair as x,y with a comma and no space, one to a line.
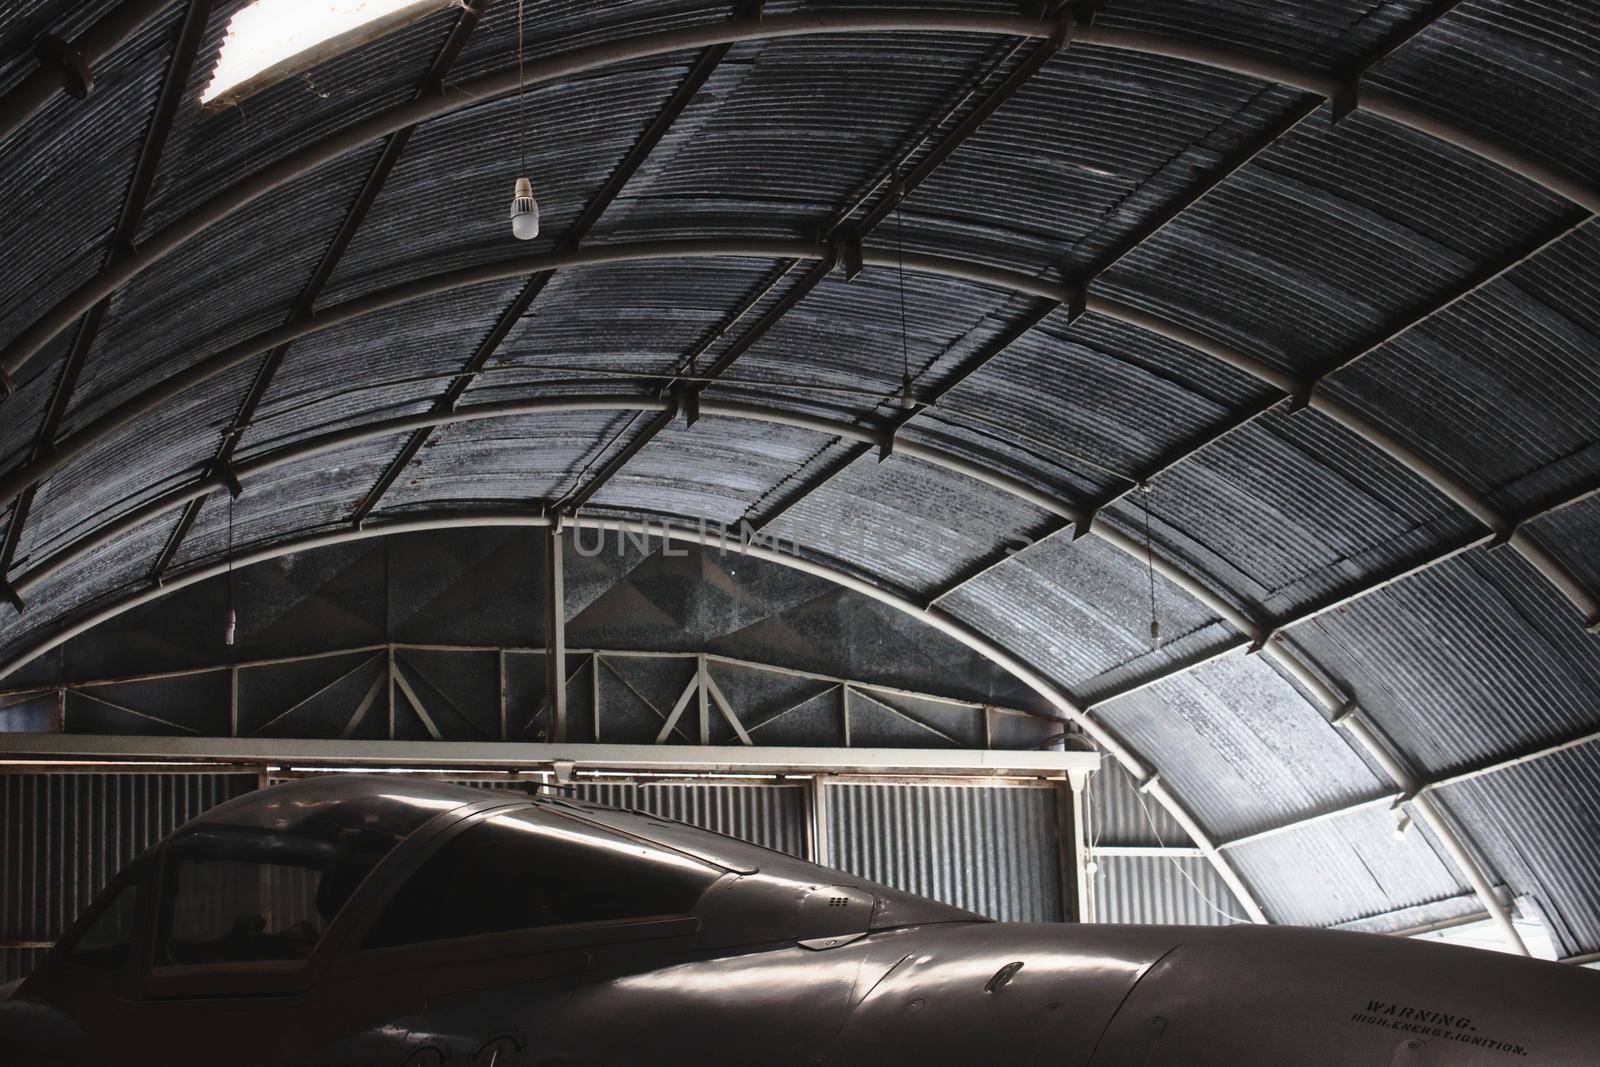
524,211
1402,823
907,400
230,627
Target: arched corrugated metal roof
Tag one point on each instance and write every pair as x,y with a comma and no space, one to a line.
1319,274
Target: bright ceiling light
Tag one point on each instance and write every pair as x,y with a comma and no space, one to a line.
524,211
270,40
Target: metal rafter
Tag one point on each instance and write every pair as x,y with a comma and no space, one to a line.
1459,852
1349,95
69,66
898,183
681,98
432,85
121,245
1152,226
1242,621
1321,692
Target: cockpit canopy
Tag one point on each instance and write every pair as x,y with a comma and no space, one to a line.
264,884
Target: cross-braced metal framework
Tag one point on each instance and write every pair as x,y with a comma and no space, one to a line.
1340,93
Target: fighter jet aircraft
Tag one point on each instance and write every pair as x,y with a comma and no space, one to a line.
385,922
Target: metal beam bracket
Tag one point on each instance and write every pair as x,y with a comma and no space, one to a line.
1149,783
1260,642
1346,100
225,471
846,249
1076,299
886,443
1345,713
685,400
1300,399
9,591
1503,534
1084,525
58,52
1060,38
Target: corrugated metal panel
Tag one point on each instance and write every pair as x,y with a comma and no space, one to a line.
1346,868
1476,660
1548,54
1115,813
773,816
1240,746
1539,824
63,836
914,525
1152,889
994,850
1076,608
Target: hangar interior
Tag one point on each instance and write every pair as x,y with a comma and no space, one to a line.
1130,461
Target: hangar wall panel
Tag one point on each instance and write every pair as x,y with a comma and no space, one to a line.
1162,889
990,849
773,816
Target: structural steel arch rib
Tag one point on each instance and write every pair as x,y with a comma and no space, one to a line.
801,24
1321,692
946,624
1310,392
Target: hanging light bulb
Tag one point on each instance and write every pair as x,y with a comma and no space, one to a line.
230,627
907,400
1402,823
524,211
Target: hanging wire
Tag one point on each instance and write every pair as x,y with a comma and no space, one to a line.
1205,898
230,624
522,96
1150,569
906,400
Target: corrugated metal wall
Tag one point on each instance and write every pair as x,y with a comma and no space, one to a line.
1161,889
994,850
64,835
772,815
1147,889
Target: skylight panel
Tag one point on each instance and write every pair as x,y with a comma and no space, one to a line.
271,40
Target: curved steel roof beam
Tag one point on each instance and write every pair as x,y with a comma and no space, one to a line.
944,623
810,23
1501,528
15,481
69,66
151,150
1253,632
461,31
479,90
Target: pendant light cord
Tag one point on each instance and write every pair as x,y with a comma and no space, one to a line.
522,96
1150,569
900,246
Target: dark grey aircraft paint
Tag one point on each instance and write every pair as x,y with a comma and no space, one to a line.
382,922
